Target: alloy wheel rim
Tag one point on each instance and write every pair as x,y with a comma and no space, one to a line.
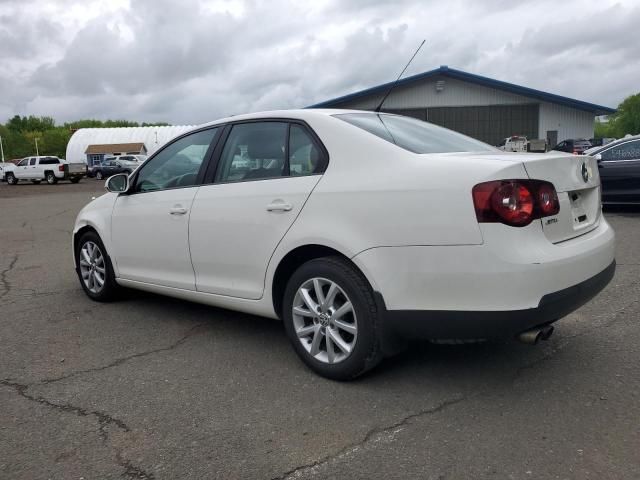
92,267
324,320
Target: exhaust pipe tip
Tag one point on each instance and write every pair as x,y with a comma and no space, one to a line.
535,335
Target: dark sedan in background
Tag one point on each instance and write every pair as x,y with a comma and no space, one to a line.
111,167
576,146
619,166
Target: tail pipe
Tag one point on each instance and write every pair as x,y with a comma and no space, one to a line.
534,335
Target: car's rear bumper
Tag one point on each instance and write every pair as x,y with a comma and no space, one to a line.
514,281
479,325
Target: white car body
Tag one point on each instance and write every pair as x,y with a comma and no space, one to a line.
406,221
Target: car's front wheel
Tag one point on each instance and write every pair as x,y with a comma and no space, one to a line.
94,268
11,179
331,318
99,176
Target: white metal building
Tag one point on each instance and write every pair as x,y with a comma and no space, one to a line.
151,138
481,107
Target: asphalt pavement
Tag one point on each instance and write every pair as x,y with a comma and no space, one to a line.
155,388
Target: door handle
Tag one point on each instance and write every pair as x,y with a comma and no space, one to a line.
279,207
177,210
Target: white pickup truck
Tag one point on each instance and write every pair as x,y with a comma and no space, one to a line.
47,168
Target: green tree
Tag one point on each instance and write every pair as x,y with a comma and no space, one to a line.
627,119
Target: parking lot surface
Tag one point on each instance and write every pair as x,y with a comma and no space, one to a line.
155,388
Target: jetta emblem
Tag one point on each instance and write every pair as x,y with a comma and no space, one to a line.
587,173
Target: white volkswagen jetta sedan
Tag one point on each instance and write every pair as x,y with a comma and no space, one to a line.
359,230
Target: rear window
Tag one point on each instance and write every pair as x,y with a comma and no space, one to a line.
414,135
49,161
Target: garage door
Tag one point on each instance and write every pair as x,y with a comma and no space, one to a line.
490,124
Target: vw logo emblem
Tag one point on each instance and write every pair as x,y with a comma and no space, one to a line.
587,174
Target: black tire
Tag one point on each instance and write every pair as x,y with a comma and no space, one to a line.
36,182
74,179
110,289
50,177
366,352
11,179
99,175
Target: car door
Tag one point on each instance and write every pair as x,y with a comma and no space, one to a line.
149,223
619,168
22,169
260,185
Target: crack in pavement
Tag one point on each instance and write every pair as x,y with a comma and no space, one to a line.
3,277
131,470
372,436
191,332
104,419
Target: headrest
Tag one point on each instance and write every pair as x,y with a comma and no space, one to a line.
266,146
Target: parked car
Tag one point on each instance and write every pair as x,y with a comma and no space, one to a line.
359,230
111,167
48,168
575,146
619,166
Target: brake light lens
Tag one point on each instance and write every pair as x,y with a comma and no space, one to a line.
514,202
61,168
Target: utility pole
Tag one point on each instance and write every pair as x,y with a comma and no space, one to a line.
1,149
37,154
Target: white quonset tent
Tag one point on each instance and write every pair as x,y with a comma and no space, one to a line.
152,138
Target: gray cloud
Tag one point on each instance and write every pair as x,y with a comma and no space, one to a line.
193,61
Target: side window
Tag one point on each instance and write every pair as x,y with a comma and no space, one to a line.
177,165
253,151
24,162
32,161
626,151
304,156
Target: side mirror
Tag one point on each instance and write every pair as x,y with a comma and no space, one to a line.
118,183
598,156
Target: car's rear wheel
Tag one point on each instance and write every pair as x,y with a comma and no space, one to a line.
99,176
331,318
11,179
94,268
51,178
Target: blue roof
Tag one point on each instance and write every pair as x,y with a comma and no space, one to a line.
477,79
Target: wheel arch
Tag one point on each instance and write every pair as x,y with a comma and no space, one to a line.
290,262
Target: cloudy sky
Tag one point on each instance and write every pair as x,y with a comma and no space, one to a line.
190,61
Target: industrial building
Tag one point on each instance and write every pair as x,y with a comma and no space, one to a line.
487,109
92,144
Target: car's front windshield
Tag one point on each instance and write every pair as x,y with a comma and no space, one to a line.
414,135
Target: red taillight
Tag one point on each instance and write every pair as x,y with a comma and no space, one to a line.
514,202
547,199
61,168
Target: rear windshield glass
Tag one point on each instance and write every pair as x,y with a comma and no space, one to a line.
414,135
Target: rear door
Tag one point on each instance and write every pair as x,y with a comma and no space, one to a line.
620,173
264,175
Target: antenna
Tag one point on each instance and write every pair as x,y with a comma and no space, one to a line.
397,79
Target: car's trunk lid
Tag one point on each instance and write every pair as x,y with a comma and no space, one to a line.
577,182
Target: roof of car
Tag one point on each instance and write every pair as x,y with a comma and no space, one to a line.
299,114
